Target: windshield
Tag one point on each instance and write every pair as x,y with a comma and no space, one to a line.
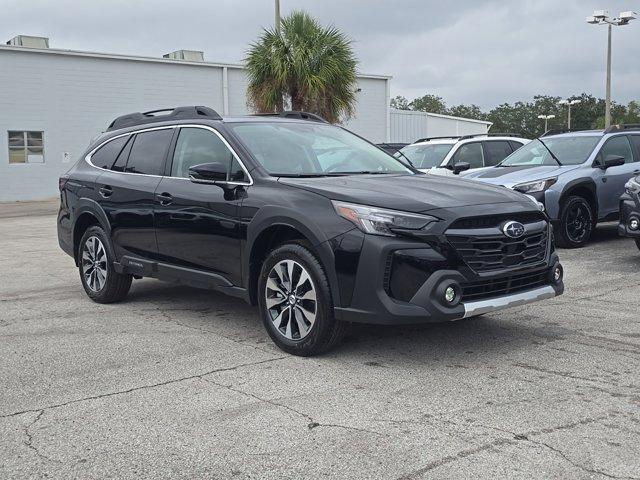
568,150
426,156
312,149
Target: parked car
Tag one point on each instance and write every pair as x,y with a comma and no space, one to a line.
391,148
578,176
451,155
264,209
629,225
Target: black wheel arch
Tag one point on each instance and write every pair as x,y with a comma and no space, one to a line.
86,214
272,227
582,188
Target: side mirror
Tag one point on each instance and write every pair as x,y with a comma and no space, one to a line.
208,173
460,167
609,161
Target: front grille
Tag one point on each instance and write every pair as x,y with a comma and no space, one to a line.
496,220
486,248
495,287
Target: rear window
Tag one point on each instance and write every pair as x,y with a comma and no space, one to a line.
106,155
148,152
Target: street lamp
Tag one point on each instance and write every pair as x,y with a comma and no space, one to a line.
568,103
601,17
546,118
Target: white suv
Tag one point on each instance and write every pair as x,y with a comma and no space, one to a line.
439,155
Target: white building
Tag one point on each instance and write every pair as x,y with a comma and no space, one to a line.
407,126
55,101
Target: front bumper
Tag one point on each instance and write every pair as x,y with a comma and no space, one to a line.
375,299
629,208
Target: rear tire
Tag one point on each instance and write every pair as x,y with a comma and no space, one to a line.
295,302
576,223
95,263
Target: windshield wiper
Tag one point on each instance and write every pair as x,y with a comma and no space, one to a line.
548,150
360,172
410,162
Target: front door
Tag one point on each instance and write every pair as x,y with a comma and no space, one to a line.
611,181
126,192
197,224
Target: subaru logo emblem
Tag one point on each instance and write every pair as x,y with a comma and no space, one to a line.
513,229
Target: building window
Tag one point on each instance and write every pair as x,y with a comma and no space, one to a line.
26,147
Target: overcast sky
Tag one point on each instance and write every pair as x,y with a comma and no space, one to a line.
467,51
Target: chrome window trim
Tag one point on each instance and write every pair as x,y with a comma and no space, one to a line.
87,157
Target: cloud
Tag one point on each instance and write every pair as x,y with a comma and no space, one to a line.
467,51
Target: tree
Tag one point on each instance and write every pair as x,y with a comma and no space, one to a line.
399,102
467,111
305,65
429,103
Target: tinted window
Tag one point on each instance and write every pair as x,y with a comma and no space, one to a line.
495,152
515,145
148,152
635,141
470,153
196,146
106,155
121,162
617,146
236,173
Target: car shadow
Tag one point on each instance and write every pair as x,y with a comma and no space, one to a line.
451,341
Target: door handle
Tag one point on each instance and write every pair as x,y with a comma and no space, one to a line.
106,191
165,198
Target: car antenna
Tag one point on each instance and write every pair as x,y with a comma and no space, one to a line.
549,150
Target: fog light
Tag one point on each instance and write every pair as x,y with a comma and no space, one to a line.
557,274
634,224
450,294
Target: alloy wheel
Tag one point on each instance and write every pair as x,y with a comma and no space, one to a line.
578,222
94,264
291,299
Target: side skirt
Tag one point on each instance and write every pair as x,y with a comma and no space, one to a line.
182,275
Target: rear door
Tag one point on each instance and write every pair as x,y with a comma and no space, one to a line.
197,224
611,181
126,192
495,151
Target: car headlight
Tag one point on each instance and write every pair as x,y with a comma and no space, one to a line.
380,221
632,187
537,186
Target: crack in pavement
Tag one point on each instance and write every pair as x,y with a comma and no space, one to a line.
29,441
142,387
572,376
312,423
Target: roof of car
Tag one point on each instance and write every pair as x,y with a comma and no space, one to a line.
466,138
579,133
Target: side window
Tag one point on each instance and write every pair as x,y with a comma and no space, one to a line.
148,152
635,141
121,162
495,151
515,145
617,146
470,153
106,155
196,146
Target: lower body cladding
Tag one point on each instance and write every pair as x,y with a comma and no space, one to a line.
629,225
406,282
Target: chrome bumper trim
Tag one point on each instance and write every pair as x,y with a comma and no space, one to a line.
500,303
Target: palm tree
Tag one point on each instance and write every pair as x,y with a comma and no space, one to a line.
307,66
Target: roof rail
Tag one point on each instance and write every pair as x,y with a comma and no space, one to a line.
622,127
558,131
152,116
312,117
473,135
426,139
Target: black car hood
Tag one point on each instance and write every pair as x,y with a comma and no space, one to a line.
413,193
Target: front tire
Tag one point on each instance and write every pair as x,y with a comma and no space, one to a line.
576,223
95,263
295,302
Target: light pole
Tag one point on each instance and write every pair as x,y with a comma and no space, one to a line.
568,103
277,16
601,17
546,118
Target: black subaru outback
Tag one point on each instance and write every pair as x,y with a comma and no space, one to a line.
315,225
629,225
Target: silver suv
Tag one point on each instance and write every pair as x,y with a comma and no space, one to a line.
451,155
578,176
